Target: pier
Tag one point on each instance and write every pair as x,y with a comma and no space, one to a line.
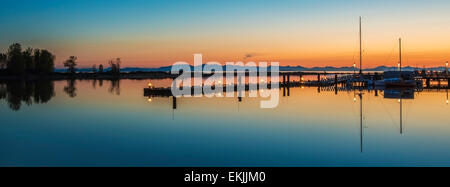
325,82
440,80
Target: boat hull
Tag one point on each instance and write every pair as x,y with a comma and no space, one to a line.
402,84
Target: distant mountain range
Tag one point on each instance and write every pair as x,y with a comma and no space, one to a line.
282,68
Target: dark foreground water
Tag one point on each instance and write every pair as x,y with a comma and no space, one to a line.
111,123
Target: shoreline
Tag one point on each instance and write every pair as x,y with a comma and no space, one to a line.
89,76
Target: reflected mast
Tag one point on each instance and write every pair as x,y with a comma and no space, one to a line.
361,120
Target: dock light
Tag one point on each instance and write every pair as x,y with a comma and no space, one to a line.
446,67
220,82
398,65
354,99
149,100
262,80
399,100
303,79
150,85
447,101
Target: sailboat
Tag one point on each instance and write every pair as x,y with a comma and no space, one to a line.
359,79
398,79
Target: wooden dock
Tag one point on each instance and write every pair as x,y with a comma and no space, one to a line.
336,82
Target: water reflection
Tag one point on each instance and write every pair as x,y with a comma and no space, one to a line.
306,129
115,87
17,93
360,94
70,89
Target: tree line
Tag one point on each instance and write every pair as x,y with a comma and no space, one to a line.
114,65
17,61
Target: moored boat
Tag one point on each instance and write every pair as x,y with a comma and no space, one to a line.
398,79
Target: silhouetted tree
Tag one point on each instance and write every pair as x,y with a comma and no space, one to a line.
31,60
70,89
115,66
15,62
71,63
44,61
2,61
28,60
100,68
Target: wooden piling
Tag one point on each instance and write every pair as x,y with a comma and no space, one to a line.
439,82
288,91
318,80
174,102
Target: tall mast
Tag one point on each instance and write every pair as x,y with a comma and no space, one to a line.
400,53
360,46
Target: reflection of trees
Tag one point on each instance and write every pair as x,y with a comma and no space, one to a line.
28,92
2,91
115,86
17,93
70,89
44,91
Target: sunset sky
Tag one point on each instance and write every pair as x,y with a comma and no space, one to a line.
159,33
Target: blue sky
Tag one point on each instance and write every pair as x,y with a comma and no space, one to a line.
93,29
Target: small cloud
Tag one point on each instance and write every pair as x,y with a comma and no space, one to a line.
247,56
251,55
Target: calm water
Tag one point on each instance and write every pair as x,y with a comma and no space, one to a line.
111,123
